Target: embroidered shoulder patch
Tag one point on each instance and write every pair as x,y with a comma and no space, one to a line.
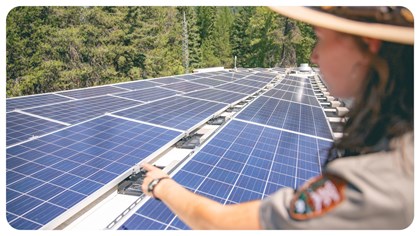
318,196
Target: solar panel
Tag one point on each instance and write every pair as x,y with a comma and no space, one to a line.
149,94
92,92
142,84
287,115
298,97
217,95
296,83
168,80
33,101
252,83
80,110
189,76
234,87
242,162
175,112
21,127
260,78
295,89
209,82
185,86
224,77
51,175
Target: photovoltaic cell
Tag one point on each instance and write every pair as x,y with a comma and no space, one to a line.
92,92
298,97
224,77
168,80
33,101
234,87
294,89
21,127
175,112
261,78
217,95
242,162
253,83
149,94
189,77
185,86
43,184
142,84
209,82
81,110
296,83
287,115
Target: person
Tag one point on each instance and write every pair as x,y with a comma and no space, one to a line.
364,54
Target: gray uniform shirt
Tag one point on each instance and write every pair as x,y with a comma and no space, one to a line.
374,191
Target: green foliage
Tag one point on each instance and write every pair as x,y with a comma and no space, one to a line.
60,48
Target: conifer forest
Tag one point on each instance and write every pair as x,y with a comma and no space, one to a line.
52,48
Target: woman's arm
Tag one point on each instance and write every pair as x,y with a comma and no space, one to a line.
199,212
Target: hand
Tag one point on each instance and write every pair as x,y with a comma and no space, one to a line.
152,173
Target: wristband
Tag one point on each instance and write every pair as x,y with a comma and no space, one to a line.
152,185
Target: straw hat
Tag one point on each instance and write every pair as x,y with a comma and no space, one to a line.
394,24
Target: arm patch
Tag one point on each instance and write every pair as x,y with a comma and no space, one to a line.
317,197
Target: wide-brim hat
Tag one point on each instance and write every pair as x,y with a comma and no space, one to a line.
330,18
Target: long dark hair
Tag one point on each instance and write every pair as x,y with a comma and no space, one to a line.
385,108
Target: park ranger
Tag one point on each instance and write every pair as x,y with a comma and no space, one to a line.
365,54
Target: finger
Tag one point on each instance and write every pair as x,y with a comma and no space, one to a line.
145,185
147,166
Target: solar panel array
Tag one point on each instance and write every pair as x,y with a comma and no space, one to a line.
270,144
69,147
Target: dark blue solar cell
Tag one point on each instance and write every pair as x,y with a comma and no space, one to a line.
137,222
188,179
25,185
215,188
92,92
197,167
217,95
282,179
86,187
83,171
44,213
81,110
10,195
67,180
185,86
14,162
253,83
12,176
156,210
242,195
46,191
238,88
67,199
47,174
65,165
224,176
26,204
230,165
255,172
21,127
23,224
177,223
103,177
167,80
250,183
149,95
177,112
33,101
142,84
